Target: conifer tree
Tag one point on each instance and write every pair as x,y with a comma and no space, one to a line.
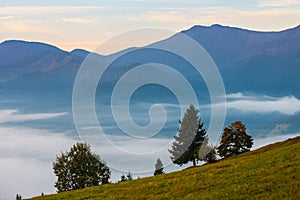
159,167
129,176
189,139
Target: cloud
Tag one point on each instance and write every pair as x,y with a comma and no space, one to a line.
7,17
77,20
278,3
271,18
288,105
26,157
260,142
84,44
15,116
107,20
238,95
36,10
126,153
279,129
166,17
25,177
29,143
26,26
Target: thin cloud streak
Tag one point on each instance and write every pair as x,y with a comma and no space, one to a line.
14,116
278,3
36,10
26,27
288,105
77,20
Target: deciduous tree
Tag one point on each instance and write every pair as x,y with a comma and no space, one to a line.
79,168
234,140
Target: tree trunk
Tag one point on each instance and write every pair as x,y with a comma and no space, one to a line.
194,162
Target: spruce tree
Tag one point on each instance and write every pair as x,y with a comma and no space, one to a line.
18,197
129,176
159,167
189,139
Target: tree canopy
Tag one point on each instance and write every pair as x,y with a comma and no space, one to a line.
234,140
79,168
189,139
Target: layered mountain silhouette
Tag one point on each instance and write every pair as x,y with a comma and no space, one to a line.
265,63
260,62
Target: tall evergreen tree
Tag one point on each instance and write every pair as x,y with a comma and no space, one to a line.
18,197
191,135
234,140
159,167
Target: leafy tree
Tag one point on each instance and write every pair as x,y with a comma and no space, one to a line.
159,167
191,135
123,178
234,140
79,168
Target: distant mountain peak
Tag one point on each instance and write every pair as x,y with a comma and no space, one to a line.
80,52
25,44
225,27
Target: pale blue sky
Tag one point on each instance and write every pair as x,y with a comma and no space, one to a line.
71,24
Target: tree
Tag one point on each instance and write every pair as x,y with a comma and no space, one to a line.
18,197
123,178
79,168
128,177
207,152
211,155
234,140
159,167
191,135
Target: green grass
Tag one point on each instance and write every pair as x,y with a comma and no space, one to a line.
271,172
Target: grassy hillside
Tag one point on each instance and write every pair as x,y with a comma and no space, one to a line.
271,172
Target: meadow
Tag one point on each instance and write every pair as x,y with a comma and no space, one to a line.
271,172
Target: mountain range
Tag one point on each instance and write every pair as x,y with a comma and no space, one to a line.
250,62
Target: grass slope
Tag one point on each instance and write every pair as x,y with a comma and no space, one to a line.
271,172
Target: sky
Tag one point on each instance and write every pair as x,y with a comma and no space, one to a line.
86,24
